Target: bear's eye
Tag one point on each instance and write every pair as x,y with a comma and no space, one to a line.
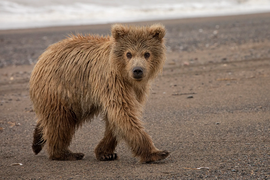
146,55
129,55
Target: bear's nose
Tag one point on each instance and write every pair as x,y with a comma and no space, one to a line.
137,72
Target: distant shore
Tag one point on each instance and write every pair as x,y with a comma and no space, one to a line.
165,22
23,46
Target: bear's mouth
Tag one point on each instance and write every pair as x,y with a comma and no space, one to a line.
138,79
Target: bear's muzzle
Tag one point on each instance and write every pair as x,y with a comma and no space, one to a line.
137,73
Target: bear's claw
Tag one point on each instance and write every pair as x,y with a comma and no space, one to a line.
78,156
156,156
108,157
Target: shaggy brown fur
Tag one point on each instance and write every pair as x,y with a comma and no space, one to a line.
83,76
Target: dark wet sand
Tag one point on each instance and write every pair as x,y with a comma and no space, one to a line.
210,107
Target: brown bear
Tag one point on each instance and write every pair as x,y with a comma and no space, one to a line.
83,76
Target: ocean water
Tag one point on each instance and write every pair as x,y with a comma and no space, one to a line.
17,14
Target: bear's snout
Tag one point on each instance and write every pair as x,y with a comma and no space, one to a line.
138,73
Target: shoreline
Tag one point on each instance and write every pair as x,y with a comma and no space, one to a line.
189,41
146,22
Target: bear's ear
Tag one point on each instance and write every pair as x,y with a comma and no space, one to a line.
119,31
157,31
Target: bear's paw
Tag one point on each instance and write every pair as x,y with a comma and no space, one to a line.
155,156
107,157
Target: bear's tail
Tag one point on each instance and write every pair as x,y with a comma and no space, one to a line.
38,141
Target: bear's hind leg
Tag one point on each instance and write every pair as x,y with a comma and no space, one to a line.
105,149
58,142
38,141
58,135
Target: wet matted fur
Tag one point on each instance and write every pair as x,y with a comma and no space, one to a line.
83,76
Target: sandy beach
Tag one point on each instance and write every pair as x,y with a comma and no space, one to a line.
210,107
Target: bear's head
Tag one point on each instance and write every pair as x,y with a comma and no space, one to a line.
138,53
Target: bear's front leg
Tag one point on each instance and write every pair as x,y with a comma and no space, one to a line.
142,146
128,127
105,149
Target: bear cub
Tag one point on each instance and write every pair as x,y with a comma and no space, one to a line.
83,76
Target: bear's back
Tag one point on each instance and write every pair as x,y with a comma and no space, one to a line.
69,70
